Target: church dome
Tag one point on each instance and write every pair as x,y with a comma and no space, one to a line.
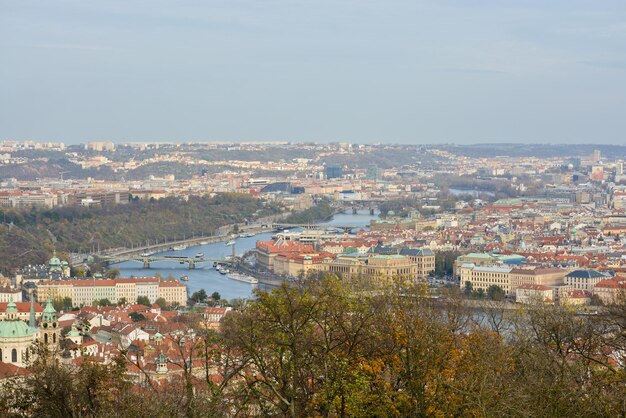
15,329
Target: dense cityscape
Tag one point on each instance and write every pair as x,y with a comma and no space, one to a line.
323,209
489,250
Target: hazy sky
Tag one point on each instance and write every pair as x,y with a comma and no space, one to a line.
357,70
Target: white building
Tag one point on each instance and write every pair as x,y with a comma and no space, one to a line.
585,279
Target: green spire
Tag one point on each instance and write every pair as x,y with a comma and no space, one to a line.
31,319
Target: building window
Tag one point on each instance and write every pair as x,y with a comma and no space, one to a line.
14,355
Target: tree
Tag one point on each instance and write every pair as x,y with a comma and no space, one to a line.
468,288
104,302
143,300
78,272
495,292
136,317
63,304
216,296
122,301
161,302
113,273
199,296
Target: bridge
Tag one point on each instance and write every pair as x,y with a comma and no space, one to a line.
190,261
279,226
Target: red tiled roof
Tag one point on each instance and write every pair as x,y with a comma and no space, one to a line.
21,307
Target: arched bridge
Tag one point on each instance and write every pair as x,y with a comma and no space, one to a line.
279,226
190,261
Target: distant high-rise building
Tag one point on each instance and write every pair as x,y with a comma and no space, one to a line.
619,168
333,172
374,173
100,146
596,156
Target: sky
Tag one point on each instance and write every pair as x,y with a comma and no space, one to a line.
363,71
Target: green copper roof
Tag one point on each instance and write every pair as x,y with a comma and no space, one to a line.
11,307
54,261
73,333
161,359
49,313
15,329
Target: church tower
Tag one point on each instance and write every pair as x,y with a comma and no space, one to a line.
49,327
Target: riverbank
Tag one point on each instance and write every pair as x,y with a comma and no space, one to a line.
205,277
224,234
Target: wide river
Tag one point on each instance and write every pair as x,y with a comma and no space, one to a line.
204,276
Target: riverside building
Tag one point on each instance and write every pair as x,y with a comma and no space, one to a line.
84,292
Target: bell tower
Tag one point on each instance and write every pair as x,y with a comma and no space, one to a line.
49,327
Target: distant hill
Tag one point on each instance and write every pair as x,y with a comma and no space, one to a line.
534,150
53,168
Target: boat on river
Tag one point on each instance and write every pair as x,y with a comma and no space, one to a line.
243,278
179,247
184,278
230,242
199,254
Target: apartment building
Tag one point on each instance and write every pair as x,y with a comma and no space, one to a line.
422,258
611,291
487,259
267,251
372,266
84,292
289,264
509,278
585,279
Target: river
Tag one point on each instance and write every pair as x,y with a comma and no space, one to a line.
204,276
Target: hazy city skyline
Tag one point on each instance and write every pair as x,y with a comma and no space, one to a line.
397,72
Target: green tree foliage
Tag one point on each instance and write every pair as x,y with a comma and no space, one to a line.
136,316
444,262
143,300
113,273
62,304
495,292
27,238
216,296
320,212
161,302
468,289
199,296
329,348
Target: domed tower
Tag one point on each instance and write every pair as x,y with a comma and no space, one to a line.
16,338
161,364
49,327
55,267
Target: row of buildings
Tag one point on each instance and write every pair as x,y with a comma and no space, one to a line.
83,292
347,257
528,282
